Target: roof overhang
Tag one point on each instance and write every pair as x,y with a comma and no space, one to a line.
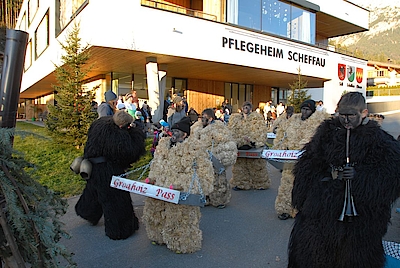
106,60
330,26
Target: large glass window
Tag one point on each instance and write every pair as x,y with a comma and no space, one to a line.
69,10
42,36
302,25
273,16
32,8
237,94
28,55
249,14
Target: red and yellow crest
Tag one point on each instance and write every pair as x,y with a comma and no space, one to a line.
359,75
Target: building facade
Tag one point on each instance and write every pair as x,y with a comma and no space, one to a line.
383,87
206,50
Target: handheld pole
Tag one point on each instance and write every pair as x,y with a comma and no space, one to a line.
349,208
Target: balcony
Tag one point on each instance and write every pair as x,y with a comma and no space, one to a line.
178,9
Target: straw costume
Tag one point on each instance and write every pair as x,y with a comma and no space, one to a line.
250,132
293,134
217,139
177,166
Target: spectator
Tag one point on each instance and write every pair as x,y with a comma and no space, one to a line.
226,105
186,104
108,107
177,111
320,106
129,105
120,99
139,121
280,109
226,116
267,109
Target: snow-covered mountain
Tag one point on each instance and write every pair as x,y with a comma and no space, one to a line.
383,38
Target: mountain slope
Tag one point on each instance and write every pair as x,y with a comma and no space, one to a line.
381,41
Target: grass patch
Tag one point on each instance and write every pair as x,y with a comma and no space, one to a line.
51,161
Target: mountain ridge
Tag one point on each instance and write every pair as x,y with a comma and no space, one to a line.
381,42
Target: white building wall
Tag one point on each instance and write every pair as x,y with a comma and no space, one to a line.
127,25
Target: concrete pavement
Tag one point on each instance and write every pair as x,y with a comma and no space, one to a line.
247,233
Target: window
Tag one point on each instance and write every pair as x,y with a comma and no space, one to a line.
32,8
179,86
42,36
276,17
249,14
22,25
69,10
237,94
273,16
28,55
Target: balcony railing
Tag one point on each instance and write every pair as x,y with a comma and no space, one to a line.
178,9
383,91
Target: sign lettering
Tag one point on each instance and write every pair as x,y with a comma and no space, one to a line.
145,189
281,154
270,51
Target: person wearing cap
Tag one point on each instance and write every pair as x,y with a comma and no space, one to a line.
181,163
293,134
346,150
139,120
216,137
108,107
249,131
166,129
121,106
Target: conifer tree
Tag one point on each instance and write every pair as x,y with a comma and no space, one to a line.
71,115
29,214
298,92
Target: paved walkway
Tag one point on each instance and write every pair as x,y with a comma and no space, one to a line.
247,233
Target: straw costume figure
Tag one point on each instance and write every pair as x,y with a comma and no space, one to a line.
215,137
178,162
112,146
293,134
249,131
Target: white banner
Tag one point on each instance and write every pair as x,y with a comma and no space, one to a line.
281,154
145,189
271,135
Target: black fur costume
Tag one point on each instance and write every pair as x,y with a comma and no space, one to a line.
318,238
121,147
